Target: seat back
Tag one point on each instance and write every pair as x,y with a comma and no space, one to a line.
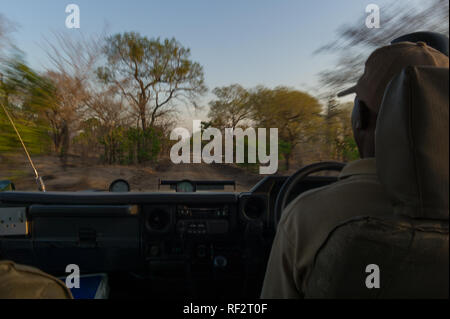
412,261
410,246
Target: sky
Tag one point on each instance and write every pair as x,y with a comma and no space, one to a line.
250,42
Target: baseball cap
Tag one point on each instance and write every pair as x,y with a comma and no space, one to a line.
384,63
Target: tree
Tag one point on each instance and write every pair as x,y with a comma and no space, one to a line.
105,117
151,74
73,62
64,113
339,143
231,107
296,115
355,42
345,145
332,112
87,141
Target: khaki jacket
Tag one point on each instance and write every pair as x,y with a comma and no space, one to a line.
310,218
24,282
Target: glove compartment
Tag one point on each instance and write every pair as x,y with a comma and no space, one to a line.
95,238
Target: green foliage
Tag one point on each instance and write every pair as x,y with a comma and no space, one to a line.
119,145
25,95
284,149
348,149
35,137
339,142
145,144
294,113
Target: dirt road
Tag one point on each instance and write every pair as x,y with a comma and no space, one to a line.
82,176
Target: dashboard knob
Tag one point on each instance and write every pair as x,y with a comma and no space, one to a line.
158,220
220,262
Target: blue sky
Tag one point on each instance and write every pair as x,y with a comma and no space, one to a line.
251,42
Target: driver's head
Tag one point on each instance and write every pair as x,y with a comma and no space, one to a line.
380,69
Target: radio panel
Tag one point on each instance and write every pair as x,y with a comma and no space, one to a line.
201,212
201,220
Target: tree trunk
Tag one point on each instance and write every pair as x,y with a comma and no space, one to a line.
143,118
287,159
65,137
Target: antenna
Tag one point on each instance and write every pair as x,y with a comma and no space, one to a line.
39,179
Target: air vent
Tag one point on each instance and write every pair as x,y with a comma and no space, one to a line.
158,220
254,207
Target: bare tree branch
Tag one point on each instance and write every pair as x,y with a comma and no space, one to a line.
354,42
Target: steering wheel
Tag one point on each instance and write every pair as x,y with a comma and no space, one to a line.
296,178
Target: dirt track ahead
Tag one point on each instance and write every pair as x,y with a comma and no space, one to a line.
79,176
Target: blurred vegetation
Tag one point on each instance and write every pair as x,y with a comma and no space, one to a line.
81,108
25,95
105,131
353,43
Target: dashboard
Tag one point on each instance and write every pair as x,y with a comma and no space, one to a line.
198,241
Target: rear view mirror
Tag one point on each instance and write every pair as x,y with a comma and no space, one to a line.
6,186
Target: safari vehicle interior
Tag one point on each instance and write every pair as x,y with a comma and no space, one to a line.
216,245
151,245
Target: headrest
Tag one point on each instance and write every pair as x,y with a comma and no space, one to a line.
412,141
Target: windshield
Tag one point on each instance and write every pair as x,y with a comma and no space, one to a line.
185,90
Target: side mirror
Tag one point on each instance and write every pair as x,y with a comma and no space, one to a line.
6,186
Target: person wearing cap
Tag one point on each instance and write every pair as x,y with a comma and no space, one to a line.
309,219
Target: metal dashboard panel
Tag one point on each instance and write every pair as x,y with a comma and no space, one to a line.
13,221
